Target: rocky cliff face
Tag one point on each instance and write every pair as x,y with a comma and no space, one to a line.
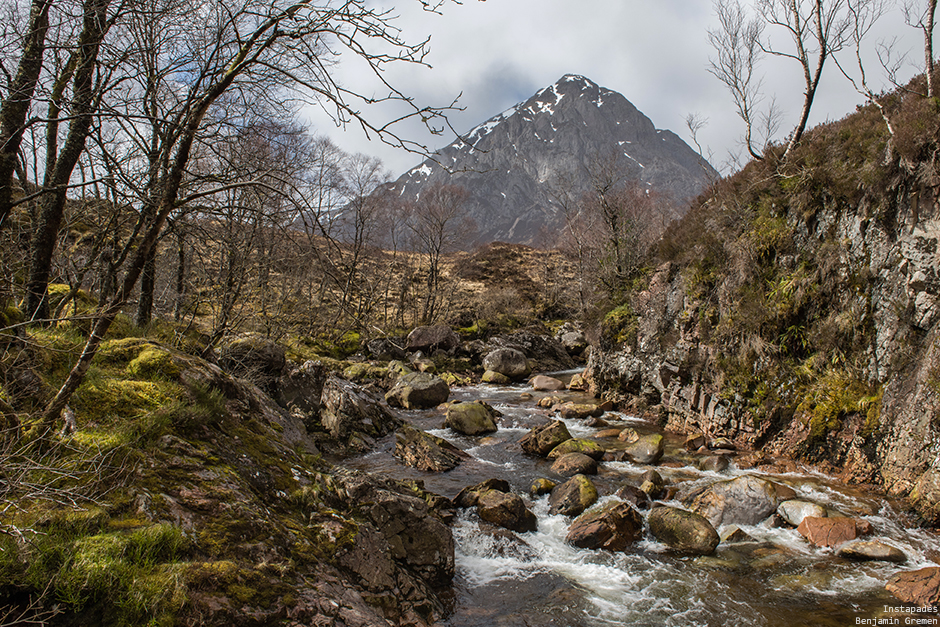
509,162
798,313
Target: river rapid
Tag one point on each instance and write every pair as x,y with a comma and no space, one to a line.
535,578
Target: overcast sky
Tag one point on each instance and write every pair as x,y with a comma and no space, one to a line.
655,52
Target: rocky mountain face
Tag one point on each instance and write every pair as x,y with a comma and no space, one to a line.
510,163
797,313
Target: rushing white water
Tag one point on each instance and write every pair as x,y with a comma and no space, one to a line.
536,578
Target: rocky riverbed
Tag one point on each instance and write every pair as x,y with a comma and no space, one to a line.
791,545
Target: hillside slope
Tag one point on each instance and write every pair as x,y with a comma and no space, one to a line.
795,309
509,163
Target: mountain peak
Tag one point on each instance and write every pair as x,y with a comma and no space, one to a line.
508,163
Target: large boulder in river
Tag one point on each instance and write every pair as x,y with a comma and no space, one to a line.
505,510
795,510
682,530
473,418
424,451
348,409
829,532
508,362
578,445
613,527
647,450
746,500
571,464
546,353
572,497
546,384
871,550
469,496
542,439
432,338
919,587
418,390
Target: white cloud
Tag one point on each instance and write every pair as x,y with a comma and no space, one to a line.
499,52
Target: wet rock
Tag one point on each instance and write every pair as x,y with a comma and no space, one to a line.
865,550
683,530
732,534
571,464
646,450
507,361
418,390
694,442
597,423
574,342
469,496
607,434
505,510
578,445
828,532
545,353
473,418
653,477
549,401
348,409
613,527
542,486
578,383
578,411
542,439
495,378
634,496
795,510
628,435
713,463
746,500
428,339
919,587
546,383
424,451
784,492
722,444
299,390
573,496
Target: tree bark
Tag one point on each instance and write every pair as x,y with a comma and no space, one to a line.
15,108
52,204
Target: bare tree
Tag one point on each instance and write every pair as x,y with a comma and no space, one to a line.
921,15
817,30
293,44
438,225
737,44
18,99
863,14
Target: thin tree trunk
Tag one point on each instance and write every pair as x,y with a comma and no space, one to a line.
15,108
53,202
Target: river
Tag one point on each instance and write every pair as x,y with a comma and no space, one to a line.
535,578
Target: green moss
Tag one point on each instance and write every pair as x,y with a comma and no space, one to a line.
834,396
154,363
620,326
102,399
125,579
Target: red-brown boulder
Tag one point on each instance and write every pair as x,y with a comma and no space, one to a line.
920,587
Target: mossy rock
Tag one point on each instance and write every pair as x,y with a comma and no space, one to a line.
578,445
154,363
